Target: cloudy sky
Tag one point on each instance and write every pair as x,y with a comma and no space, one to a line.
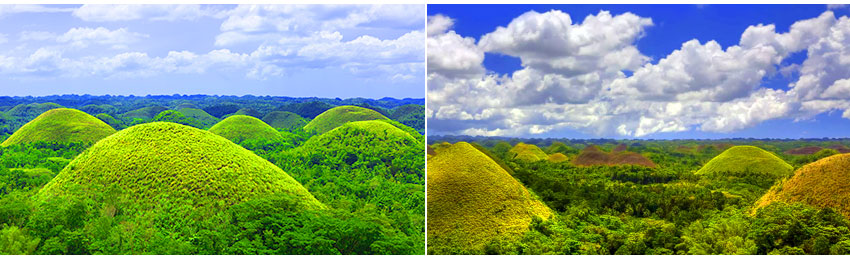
283,50
639,71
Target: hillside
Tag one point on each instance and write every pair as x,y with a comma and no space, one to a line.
61,125
592,155
238,128
527,152
472,201
151,161
337,116
144,113
284,120
751,159
823,184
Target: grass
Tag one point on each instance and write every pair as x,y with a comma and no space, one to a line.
337,116
527,152
747,159
592,155
238,128
357,136
201,116
472,200
108,119
285,120
557,158
162,160
32,108
823,184
61,125
144,113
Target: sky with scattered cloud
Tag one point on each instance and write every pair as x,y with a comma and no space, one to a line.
639,71
344,51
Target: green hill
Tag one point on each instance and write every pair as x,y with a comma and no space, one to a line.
108,119
823,184
307,109
163,161
337,116
144,113
360,141
61,125
32,109
752,159
201,116
557,158
527,152
248,112
99,108
238,128
285,120
187,105
472,201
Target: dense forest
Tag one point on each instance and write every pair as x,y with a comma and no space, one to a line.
210,175
695,197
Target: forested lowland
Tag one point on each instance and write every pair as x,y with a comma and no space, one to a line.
211,175
683,197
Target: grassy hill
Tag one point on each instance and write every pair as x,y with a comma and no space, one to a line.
337,116
557,158
752,159
472,200
61,125
201,116
527,152
823,184
108,119
238,128
284,120
161,160
592,155
32,109
144,113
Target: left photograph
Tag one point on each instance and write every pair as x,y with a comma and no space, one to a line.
212,129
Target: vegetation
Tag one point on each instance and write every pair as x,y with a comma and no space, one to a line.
204,119
337,116
592,155
472,201
822,184
61,125
669,208
526,152
239,128
144,113
747,159
284,120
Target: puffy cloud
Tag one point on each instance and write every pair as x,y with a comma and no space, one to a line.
570,79
36,36
83,37
111,13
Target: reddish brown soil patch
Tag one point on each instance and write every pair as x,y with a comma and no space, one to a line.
591,156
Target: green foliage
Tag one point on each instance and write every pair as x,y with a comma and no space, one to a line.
412,115
285,120
177,117
338,116
248,112
205,119
14,241
61,125
145,113
239,128
802,160
101,108
747,159
307,109
113,122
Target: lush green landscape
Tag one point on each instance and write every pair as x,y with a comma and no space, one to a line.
730,196
211,175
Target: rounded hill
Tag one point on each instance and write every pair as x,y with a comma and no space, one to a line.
740,159
162,160
238,128
557,158
144,113
823,184
284,120
61,125
592,155
472,201
358,140
337,116
527,152
201,116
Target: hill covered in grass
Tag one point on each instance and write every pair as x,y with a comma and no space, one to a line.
592,155
557,158
61,125
526,152
238,128
284,120
823,184
740,159
160,160
337,116
473,201
145,113
204,118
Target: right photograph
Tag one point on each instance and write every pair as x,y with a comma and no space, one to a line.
638,129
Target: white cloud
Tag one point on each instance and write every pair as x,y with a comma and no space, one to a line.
36,36
835,6
84,36
3,38
155,12
13,9
570,78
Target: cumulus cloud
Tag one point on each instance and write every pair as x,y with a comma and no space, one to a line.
571,77
111,13
84,36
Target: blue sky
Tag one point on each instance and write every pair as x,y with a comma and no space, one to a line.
371,51
704,71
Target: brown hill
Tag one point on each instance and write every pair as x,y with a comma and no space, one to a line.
823,184
803,150
620,148
840,148
592,155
